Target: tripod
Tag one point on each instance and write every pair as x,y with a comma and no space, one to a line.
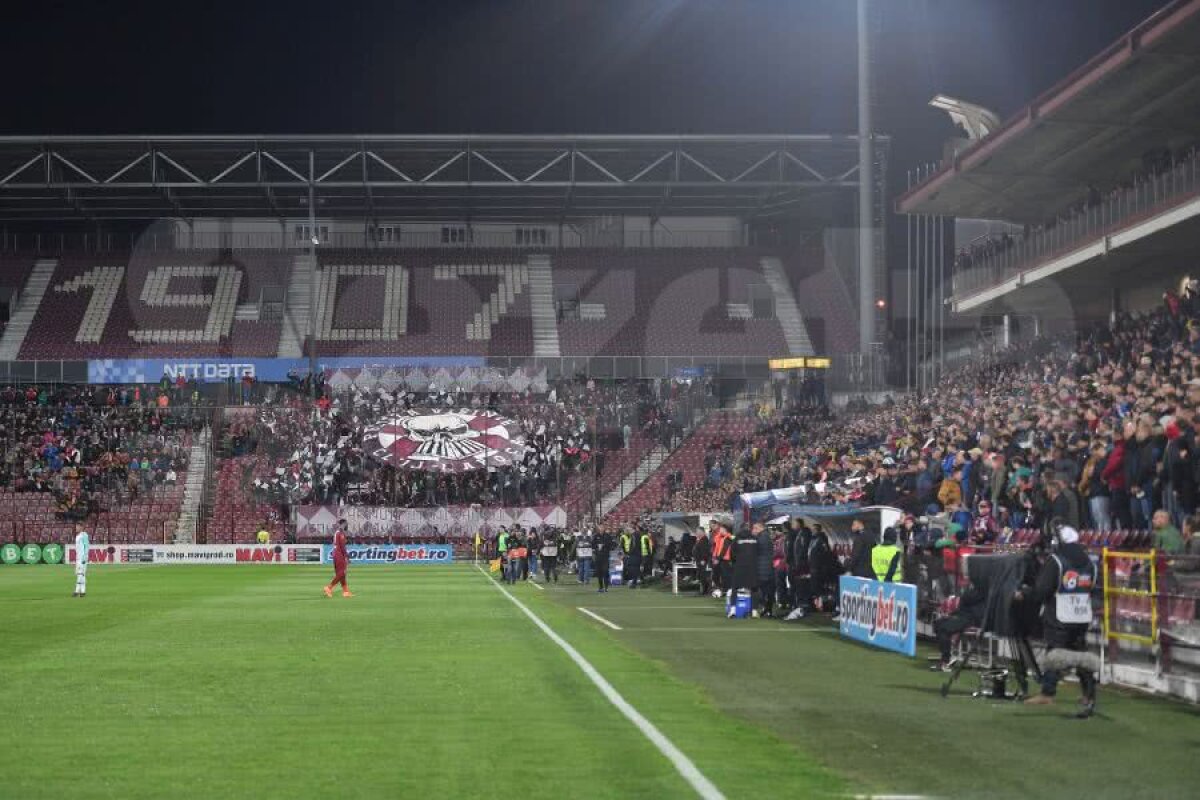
1022,662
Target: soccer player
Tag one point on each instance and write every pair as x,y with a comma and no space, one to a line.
82,542
340,559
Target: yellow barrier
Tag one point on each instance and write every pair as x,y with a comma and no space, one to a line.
1116,592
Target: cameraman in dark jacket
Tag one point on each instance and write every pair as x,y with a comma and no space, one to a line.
1064,586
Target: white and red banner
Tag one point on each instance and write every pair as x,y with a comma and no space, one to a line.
366,522
446,441
199,554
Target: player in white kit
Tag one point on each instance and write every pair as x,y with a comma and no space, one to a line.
82,542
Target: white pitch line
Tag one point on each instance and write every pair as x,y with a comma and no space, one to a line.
536,585
683,765
598,618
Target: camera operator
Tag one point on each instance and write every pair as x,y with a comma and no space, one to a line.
969,614
1064,585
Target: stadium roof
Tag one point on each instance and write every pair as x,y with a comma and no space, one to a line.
1091,129
421,177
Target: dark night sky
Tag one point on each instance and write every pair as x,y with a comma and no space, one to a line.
520,66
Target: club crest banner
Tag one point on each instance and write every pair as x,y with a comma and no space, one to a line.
446,441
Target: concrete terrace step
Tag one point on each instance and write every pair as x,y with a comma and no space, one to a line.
795,333
297,308
541,296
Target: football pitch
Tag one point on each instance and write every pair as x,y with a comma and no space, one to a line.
244,681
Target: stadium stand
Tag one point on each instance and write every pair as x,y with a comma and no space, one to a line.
1074,427
97,455
284,455
674,302
154,304
444,302
687,464
423,302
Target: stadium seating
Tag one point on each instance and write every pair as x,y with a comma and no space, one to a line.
151,518
157,304
663,303
829,312
419,302
618,463
237,516
688,459
459,302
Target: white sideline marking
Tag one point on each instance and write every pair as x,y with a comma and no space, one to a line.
532,582
683,765
598,618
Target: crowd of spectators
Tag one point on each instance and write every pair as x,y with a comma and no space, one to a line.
1098,428
321,454
90,447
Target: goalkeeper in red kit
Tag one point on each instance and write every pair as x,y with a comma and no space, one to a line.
341,558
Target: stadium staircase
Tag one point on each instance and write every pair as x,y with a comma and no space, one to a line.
687,459
30,300
795,333
541,296
297,308
193,488
633,480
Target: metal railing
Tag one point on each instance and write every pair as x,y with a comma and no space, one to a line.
56,243
1009,256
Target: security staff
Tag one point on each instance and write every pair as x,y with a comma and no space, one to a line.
887,559
647,545
502,549
1065,586
626,543
632,574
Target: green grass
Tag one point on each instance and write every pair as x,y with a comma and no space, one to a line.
243,681
246,682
